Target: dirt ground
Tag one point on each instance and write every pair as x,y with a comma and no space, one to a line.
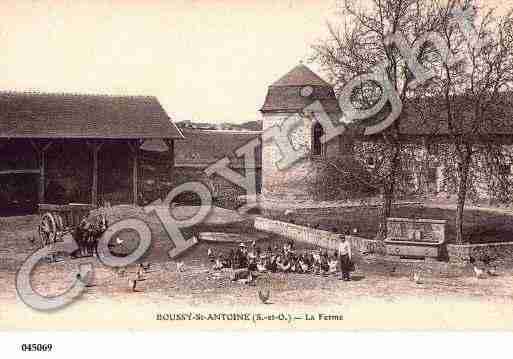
382,294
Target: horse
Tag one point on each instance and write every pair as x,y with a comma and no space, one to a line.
88,232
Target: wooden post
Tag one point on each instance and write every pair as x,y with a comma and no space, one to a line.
171,144
41,152
95,147
94,189
135,178
42,176
134,147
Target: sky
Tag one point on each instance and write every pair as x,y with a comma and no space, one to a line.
205,60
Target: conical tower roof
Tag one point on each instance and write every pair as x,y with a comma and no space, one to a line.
301,76
297,89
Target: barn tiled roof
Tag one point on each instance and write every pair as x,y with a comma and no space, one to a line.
428,116
285,94
201,148
32,115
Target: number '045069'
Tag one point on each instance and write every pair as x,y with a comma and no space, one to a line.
36,347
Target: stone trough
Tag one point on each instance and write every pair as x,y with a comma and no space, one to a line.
415,238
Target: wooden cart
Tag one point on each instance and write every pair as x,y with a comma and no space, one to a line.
58,220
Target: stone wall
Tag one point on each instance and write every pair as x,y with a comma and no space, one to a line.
367,246
317,237
499,252
298,233
458,255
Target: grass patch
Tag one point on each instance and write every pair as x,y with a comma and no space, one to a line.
479,226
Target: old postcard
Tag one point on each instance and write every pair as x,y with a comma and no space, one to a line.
256,165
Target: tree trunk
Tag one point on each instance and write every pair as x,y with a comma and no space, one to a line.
388,193
463,171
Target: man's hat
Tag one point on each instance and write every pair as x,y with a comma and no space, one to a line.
242,245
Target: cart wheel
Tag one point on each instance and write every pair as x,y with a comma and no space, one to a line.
47,229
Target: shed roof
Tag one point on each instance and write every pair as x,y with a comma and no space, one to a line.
41,115
202,148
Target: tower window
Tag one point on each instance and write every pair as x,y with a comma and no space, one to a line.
317,133
370,161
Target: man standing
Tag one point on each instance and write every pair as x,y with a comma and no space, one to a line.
345,257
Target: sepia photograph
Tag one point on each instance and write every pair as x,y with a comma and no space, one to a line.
334,165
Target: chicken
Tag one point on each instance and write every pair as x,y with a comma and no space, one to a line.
261,267
417,278
121,271
391,270
218,265
333,266
146,266
248,280
140,273
180,266
139,277
264,296
210,254
492,271
479,272
304,266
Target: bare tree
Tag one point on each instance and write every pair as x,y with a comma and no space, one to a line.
462,102
357,45
470,93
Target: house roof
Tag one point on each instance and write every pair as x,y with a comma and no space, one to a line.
201,148
285,95
33,115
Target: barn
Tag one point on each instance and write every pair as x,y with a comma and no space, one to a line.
202,148
75,148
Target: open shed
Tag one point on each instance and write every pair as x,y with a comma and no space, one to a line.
67,148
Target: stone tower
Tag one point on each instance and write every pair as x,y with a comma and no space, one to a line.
289,96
